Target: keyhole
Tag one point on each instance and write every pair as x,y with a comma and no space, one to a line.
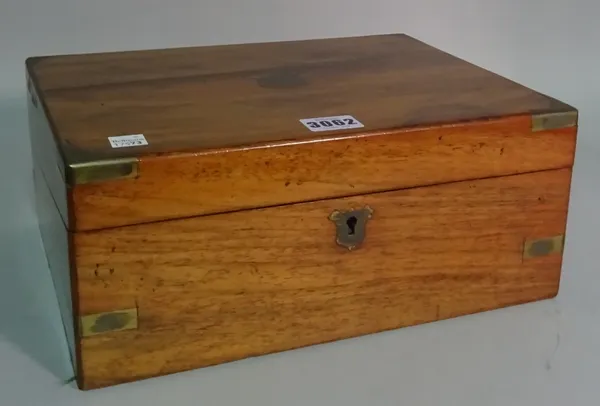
351,223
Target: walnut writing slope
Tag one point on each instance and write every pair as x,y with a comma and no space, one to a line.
203,205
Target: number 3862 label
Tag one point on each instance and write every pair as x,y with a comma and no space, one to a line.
331,123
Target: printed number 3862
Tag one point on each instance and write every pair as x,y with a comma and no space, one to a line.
331,123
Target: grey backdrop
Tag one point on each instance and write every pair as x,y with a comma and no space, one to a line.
545,353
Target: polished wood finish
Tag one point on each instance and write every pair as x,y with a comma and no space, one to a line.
189,185
194,105
219,288
219,243
202,98
224,132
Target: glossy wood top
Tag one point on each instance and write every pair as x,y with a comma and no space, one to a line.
194,99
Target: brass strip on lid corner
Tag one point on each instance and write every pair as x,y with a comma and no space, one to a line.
104,170
542,247
100,323
554,121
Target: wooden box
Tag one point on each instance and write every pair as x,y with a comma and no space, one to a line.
203,205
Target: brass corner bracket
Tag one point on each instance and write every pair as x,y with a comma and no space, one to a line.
554,121
543,247
104,170
101,323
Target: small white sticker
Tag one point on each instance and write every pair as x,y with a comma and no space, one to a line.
123,141
331,123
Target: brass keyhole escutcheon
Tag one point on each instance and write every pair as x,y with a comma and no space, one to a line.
351,226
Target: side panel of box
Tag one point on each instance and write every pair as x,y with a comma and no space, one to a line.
165,297
45,153
54,234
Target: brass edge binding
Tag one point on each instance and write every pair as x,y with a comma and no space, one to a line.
100,323
554,121
543,247
98,171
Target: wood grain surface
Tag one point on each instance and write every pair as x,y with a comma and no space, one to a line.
218,288
221,247
190,185
224,131
200,98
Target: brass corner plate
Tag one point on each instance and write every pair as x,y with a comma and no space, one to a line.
351,226
104,170
542,247
100,323
554,121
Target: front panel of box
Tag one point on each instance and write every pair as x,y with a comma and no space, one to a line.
176,295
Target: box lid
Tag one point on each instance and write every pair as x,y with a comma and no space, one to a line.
211,129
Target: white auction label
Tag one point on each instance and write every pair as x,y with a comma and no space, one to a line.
345,122
124,141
